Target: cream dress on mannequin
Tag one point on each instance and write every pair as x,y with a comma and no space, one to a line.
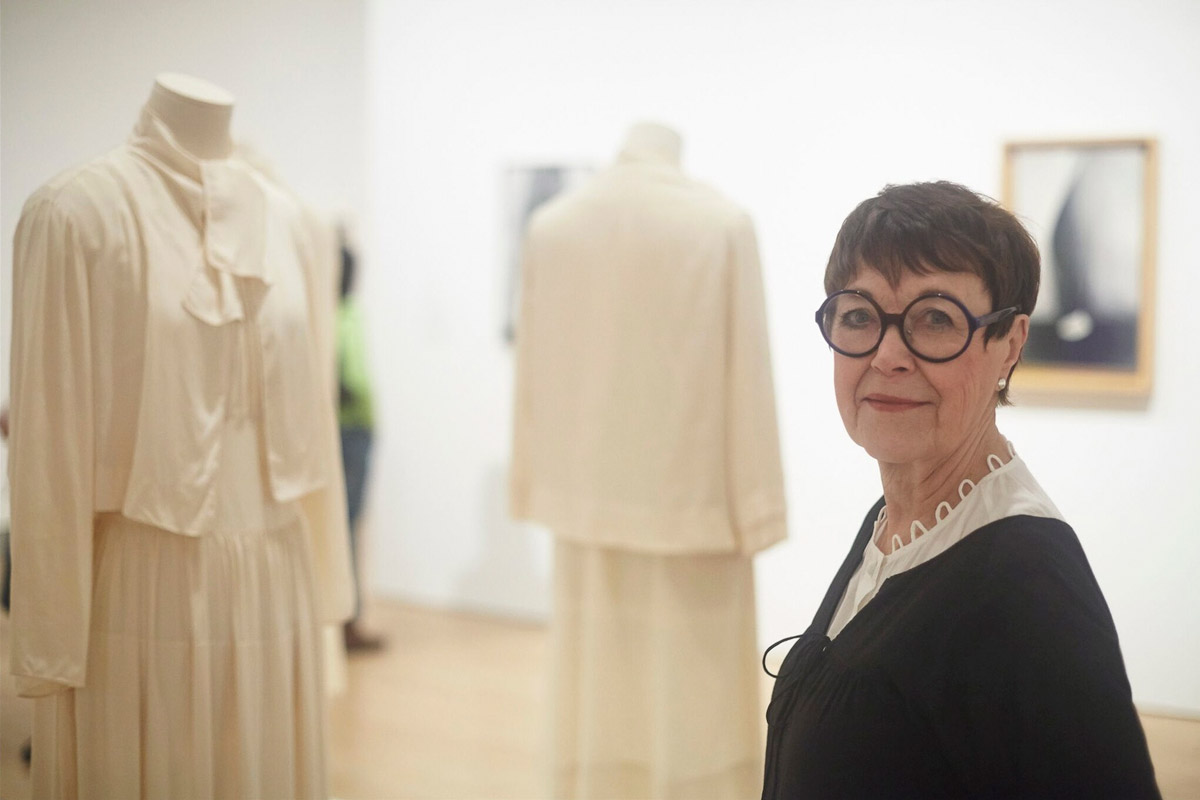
645,438
178,523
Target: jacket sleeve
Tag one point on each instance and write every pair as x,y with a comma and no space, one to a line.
325,509
754,469
51,452
1043,696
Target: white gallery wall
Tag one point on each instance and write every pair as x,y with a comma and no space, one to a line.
798,110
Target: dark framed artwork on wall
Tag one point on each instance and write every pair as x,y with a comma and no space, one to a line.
526,188
1091,207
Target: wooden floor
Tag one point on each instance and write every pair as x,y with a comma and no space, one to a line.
454,709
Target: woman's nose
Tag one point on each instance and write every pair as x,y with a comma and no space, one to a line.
893,354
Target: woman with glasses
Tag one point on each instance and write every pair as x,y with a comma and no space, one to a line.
964,648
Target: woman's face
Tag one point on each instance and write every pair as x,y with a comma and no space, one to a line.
901,409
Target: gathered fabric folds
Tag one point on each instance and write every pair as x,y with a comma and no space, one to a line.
656,676
220,631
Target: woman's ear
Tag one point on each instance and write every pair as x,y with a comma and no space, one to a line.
1015,340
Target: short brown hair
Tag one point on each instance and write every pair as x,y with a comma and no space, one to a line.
941,226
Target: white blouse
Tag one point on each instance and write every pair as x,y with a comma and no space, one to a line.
1007,490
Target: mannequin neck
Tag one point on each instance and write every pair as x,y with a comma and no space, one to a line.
650,141
196,112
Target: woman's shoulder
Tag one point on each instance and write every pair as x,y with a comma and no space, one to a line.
1005,553
1036,590
1026,558
1022,541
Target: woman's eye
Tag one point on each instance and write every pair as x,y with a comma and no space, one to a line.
934,319
857,318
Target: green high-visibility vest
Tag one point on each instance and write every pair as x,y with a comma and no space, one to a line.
354,383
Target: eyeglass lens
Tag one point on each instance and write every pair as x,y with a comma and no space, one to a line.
934,327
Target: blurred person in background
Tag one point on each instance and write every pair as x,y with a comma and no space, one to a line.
356,420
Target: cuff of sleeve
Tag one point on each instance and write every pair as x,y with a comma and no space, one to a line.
38,687
763,532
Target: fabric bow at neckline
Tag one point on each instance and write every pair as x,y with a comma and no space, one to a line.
228,206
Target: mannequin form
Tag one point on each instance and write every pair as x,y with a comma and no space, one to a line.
172,370
653,141
196,112
644,437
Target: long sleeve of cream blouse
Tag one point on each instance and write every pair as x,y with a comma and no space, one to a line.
53,477
325,509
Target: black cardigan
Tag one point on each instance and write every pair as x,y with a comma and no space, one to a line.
991,670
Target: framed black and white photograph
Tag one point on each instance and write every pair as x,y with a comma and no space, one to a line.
1091,207
525,189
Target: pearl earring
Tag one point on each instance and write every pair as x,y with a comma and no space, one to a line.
1001,384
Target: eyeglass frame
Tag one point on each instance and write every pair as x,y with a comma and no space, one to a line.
974,323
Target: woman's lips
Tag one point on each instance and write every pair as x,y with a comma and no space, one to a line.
884,402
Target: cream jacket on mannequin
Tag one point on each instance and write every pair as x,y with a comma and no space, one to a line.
644,410
128,273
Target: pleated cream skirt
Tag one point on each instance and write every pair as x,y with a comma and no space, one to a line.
655,679
204,672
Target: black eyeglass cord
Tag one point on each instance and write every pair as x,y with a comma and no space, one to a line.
772,647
